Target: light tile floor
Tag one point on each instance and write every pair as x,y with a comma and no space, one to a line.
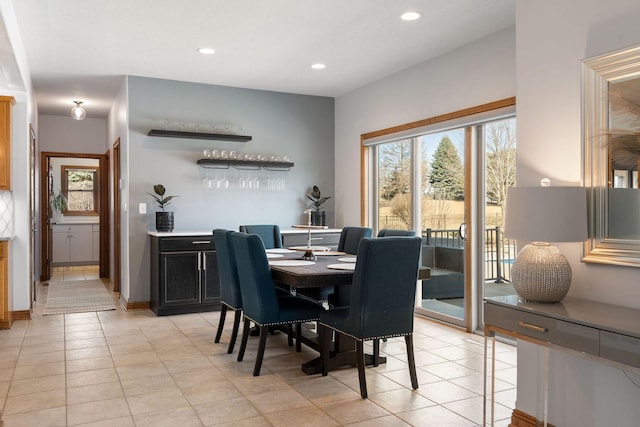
117,368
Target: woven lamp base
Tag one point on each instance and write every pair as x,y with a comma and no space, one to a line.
541,273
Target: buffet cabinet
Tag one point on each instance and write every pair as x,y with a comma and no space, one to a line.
184,275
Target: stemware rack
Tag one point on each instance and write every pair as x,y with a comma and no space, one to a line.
244,164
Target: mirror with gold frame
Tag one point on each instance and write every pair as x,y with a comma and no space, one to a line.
611,132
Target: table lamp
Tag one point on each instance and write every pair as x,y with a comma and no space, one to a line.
541,215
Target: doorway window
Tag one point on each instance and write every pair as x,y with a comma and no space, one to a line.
80,187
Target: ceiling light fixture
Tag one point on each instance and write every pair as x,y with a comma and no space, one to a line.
77,112
206,51
410,16
318,66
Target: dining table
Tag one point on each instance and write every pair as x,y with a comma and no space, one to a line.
324,272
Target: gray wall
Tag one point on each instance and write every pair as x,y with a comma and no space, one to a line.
300,127
66,135
117,129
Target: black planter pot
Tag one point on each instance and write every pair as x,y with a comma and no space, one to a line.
164,221
318,218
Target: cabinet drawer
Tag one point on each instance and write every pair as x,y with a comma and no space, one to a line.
566,334
192,243
620,348
71,228
317,239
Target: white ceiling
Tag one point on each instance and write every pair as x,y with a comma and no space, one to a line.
79,49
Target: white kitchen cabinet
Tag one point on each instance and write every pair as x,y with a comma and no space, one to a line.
74,244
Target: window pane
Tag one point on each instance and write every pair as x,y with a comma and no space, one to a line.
80,188
80,180
500,173
394,185
80,201
442,183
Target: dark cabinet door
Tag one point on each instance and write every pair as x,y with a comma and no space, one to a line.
184,275
210,280
180,278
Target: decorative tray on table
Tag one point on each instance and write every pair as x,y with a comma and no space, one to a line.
309,250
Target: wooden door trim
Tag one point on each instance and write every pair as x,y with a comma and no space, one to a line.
117,238
105,197
45,214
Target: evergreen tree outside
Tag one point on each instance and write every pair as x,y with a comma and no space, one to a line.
447,172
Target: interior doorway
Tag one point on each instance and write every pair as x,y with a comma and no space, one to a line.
99,232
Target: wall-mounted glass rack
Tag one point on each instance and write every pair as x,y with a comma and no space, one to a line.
244,164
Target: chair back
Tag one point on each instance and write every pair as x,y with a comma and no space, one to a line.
350,238
269,233
384,287
259,300
227,270
387,232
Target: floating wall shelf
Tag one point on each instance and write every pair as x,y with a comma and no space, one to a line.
243,164
198,135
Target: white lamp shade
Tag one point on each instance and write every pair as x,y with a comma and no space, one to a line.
546,214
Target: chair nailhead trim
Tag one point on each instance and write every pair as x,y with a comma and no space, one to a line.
365,339
281,323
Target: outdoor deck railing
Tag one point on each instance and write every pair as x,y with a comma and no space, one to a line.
499,252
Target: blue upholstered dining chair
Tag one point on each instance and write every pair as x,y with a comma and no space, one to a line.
350,238
382,301
270,234
260,302
229,286
388,232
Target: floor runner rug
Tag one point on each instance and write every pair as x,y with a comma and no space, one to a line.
78,297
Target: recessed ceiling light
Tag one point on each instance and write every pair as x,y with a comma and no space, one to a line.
206,51
410,16
318,66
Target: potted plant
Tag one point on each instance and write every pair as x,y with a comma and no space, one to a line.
318,216
164,219
58,204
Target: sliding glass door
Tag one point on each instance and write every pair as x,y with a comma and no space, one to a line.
442,183
420,186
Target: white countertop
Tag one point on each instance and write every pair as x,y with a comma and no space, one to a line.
180,233
186,233
305,231
75,223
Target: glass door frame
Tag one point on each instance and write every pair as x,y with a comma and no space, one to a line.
472,120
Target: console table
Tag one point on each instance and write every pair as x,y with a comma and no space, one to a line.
608,333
